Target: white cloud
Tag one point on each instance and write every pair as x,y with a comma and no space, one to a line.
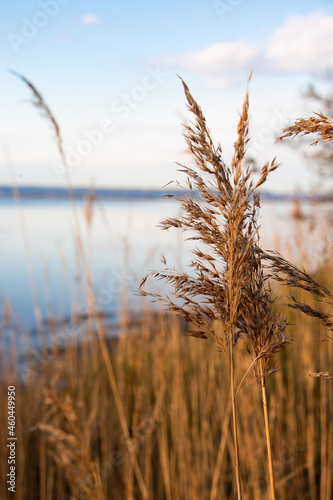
218,57
303,43
91,19
218,62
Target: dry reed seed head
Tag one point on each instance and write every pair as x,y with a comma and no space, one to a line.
327,375
70,447
220,208
89,207
288,274
324,318
242,139
40,103
297,212
65,405
297,278
318,124
293,276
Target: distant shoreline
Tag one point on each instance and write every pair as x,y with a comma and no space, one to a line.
51,193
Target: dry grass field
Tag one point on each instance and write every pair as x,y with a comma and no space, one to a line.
175,394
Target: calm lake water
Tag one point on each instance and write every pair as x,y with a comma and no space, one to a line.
39,252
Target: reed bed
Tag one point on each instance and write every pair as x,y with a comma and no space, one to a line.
151,414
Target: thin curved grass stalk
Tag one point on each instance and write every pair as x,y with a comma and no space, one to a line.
40,104
234,420
223,442
267,432
224,298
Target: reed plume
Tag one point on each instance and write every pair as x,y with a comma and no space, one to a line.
224,297
318,124
71,447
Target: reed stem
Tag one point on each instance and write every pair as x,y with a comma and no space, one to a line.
234,419
267,432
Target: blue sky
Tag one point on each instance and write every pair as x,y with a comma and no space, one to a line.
108,72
